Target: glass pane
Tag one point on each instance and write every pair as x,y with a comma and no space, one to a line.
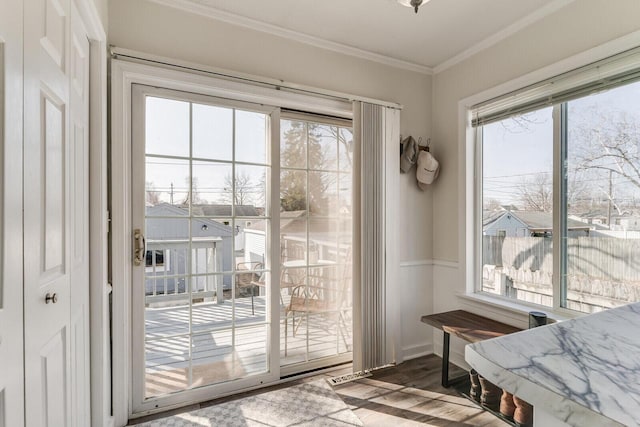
602,204
315,246
212,245
316,146
251,348
166,186
293,275
167,233
251,137
251,242
250,292
214,359
212,306
167,365
345,195
293,144
517,221
212,132
323,194
293,237
293,190
168,314
327,140
212,188
323,235
250,192
345,149
167,127
165,269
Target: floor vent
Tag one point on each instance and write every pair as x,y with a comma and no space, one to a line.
347,378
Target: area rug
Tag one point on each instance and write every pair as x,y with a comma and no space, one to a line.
309,404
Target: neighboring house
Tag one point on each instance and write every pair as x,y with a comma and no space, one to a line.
167,245
245,215
293,238
527,223
628,223
292,231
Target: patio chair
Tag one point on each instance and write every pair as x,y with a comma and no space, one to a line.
248,277
321,295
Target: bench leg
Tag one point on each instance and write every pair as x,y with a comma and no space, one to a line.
445,360
446,382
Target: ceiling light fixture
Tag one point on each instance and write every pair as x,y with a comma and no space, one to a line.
415,4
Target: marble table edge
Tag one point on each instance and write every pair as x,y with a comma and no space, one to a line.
566,410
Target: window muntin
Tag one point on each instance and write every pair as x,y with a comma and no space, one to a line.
597,213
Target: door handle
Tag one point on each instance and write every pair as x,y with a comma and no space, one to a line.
139,247
51,298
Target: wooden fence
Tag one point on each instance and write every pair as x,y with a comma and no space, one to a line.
601,258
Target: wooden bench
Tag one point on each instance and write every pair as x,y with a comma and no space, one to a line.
468,326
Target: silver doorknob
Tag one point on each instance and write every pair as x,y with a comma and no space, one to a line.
51,298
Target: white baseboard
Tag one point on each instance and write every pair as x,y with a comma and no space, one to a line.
415,351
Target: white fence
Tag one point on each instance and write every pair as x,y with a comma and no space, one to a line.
601,272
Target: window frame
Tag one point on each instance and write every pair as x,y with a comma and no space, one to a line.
474,141
469,169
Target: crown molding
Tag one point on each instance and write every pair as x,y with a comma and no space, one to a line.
502,34
231,18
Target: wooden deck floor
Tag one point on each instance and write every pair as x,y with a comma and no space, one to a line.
215,351
406,395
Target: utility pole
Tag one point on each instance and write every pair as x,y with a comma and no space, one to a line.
171,194
610,200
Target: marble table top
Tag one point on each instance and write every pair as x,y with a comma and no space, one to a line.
585,372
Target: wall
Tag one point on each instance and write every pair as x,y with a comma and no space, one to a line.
103,10
152,28
581,25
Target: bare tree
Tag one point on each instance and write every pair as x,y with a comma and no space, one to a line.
345,143
605,148
192,192
244,189
152,195
492,204
536,193
608,143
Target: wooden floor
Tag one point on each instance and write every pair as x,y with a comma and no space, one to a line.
406,395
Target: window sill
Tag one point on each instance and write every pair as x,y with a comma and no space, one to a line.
515,311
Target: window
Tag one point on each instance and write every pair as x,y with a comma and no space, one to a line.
157,261
558,204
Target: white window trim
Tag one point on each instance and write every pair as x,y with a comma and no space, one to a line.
469,170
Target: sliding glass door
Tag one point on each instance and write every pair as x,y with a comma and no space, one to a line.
220,302
201,229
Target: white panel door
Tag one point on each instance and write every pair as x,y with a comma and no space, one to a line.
11,356
55,209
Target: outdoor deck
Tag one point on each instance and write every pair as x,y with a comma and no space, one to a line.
221,353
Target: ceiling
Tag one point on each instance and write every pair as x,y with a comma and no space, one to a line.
382,30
